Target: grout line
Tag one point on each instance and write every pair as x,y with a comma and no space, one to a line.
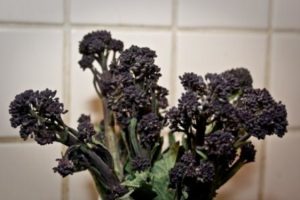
30,25
66,81
294,128
268,49
267,78
220,28
286,30
43,25
174,66
14,139
121,26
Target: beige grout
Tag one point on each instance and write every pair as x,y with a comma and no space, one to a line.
25,24
174,66
269,48
50,25
286,30
66,82
14,139
262,169
121,26
222,29
293,128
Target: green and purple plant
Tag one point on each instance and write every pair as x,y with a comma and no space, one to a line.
216,116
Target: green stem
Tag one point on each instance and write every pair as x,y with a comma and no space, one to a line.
133,136
154,103
123,135
111,139
106,174
200,131
242,140
103,62
96,87
98,184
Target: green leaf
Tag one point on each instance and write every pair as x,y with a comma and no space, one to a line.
144,192
141,186
160,173
139,179
128,168
185,195
209,128
200,153
126,196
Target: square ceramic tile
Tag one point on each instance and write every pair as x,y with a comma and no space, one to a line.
139,12
282,175
245,183
81,186
31,10
29,59
286,14
83,96
213,52
229,13
26,172
285,70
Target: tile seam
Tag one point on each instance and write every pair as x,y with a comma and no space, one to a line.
174,30
12,24
14,139
66,83
262,170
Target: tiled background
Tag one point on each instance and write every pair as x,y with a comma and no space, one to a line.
39,42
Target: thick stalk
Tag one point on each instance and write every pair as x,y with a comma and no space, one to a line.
106,175
200,131
98,184
111,140
133,137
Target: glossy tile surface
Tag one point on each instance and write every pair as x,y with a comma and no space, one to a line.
82,187
209,52
31,11
29,59
286,14
26,172
285,70
282,176
138,12
215,13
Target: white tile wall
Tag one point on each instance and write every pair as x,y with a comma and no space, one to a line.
285,72
82,187
203,52
215,13
31,11
84,98
286,14
29,59
139,12
282,178
26,172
